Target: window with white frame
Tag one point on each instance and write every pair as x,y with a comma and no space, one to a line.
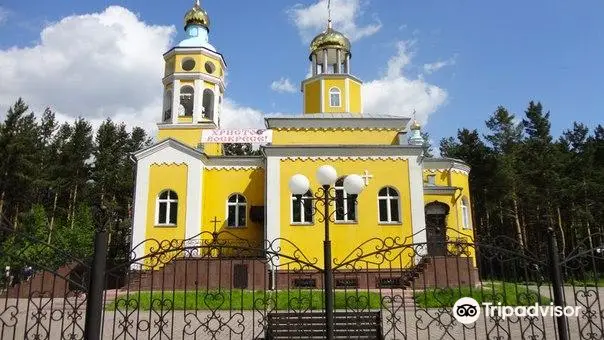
465,213
166,208
346,208
236,211
431,179
334,97
302,208
389,205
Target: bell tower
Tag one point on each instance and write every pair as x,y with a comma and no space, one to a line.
193,84
331,88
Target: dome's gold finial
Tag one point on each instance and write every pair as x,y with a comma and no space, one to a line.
415,125
330,38
197,15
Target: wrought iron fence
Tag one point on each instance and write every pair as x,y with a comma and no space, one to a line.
218,286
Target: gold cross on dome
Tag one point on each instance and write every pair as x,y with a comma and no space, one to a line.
366,177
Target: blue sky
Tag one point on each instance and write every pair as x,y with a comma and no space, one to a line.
492,53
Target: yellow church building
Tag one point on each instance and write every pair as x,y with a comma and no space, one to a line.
183,182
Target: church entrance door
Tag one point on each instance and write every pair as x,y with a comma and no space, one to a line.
436,224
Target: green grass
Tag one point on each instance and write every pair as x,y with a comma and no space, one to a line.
508,294
244,300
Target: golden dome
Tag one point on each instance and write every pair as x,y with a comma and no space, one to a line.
198,16
330,39
415,125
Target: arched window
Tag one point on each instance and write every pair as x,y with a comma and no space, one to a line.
334,97
236,210
166,208
389,205
302,208
168,105
208,104
346,208
187,98
465,213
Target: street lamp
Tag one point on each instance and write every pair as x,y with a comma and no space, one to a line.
353,185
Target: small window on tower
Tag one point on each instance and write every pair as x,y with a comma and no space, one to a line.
188,64
210,67
431,179
334,97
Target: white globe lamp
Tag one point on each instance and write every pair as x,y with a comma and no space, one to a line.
353,184
327,175
299,184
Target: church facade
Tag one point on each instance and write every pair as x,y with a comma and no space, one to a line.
184,186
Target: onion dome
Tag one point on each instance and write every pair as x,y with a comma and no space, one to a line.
197,16
415,126
330,38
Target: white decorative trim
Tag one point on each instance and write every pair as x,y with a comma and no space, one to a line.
233,167
347,93
195,50
175,100
339,92
194,76
194,199
347,158
446,164
416,193
322,95
334,122
322,76
198,103
273,202
459,171
342,151
335,129
216,108
141,195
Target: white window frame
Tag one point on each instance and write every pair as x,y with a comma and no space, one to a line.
345,203
432,183
168,202
236,204
335,91
465,214
294,201
388,198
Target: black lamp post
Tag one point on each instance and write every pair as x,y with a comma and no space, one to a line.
353,185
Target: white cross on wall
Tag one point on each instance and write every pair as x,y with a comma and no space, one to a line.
366,177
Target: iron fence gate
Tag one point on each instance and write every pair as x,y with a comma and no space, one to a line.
218,286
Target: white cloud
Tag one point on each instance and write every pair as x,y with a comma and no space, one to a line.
346,14
96,66
109,64
397,94
433,67
3,15
283,85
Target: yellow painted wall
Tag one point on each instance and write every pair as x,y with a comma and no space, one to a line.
312,95
381,137
219,184
345,237
200,61
355,96
162,177
190,137
331,83
185,119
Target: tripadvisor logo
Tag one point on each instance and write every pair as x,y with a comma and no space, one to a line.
467,310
